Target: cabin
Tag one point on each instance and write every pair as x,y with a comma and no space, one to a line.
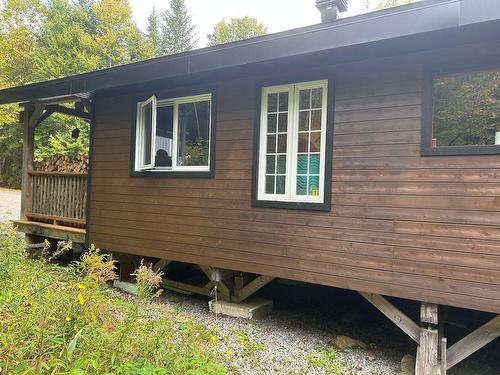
361,153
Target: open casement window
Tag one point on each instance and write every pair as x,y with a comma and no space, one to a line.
292,143
173,135
146,127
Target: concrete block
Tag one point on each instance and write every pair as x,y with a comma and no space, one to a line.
130,288
252,308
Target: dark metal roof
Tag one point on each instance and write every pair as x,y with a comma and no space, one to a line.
420,18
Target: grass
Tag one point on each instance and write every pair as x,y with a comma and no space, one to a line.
60,320
326,358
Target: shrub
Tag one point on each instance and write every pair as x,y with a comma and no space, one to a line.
62,320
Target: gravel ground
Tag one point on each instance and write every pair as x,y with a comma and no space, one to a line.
307,317
10,204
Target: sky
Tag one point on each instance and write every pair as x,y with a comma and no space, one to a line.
277,15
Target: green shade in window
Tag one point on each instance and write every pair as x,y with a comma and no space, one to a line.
281,164
272,102
270,164
271,144
302,164
280,184
269,184
313,185
314,164
301,185
271,123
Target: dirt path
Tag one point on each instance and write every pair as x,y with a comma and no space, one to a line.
10,204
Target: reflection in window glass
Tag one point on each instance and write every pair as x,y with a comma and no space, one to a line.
164,136
193,133
466,109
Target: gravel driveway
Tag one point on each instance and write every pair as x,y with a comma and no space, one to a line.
10,204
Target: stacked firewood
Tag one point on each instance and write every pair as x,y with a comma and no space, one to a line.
63,163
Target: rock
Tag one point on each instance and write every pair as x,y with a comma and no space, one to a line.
346,342
407,365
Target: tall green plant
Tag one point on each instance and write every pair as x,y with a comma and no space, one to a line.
179,32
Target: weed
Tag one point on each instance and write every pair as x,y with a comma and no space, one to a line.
250,346
58,320
326,358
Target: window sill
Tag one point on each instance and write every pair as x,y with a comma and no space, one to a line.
460,150
326,206
172,174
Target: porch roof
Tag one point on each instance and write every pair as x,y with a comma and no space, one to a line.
422,25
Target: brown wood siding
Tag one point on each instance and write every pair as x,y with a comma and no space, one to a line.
424,228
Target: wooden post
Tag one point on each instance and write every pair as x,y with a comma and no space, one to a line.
427,351
31,115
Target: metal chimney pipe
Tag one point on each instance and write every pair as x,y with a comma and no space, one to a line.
330,9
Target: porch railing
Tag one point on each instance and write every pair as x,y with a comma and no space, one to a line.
58,197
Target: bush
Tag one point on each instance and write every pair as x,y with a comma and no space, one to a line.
62,320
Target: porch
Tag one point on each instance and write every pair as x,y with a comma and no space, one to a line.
53,203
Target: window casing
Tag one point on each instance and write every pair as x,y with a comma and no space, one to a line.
174,135
292,143
461,111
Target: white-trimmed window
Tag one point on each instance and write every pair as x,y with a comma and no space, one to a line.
174,134
292,143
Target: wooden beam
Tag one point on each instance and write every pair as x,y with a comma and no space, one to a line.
161,264
427,351
69,111
31,116
225,293
473,342
252,287
443,355
44,230
389,310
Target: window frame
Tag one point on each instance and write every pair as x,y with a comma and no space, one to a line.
292,200
175,98
430,73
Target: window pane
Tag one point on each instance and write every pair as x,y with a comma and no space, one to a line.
302,164
271,144
269,184
270,164
282,143
301,185
304,120
305,99
193,133
147,131
271,123
316,98
280,184
314,164
466,108
272,102
303,140
164,136
283,101
283,122
315,141
316,120
314,185
281,168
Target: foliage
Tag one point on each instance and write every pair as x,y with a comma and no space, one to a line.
196,152
250,346
466,108
326,358
385,4
237,28
147,281
60,320
154,31
178,30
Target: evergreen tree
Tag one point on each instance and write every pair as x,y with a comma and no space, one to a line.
178,30
237,29
154,31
